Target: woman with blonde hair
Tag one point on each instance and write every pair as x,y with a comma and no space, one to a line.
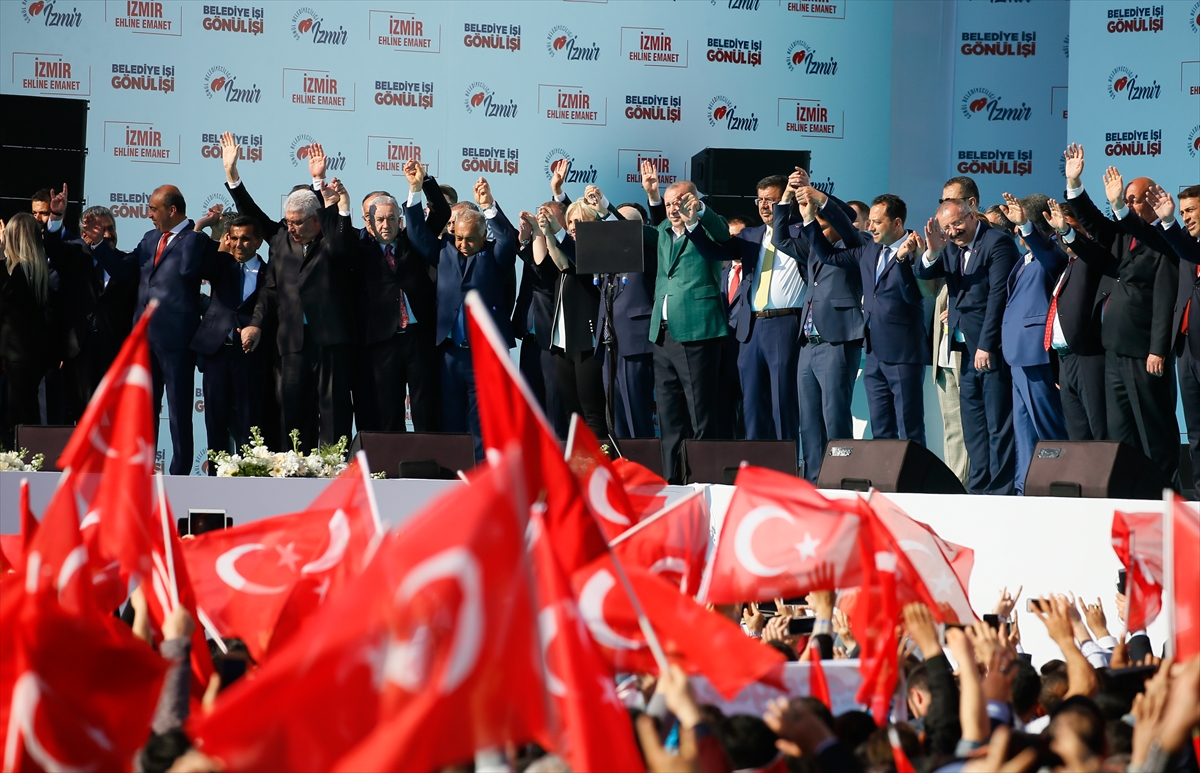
28,346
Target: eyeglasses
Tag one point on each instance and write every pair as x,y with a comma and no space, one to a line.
767,199
296,223
957,225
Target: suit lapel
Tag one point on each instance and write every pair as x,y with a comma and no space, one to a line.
677,245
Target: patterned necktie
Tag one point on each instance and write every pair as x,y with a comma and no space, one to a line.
389,254
762,295
1050,316
162,245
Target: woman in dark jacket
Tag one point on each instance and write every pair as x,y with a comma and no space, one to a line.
28,345
573,332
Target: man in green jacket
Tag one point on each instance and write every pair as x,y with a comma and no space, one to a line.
687,323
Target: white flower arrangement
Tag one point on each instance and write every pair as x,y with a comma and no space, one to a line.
15,461
258,461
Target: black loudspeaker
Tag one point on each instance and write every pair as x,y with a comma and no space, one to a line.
646,451
736,171
1092,468
416,455
887,466
717,461
48,441
1187,479
43,144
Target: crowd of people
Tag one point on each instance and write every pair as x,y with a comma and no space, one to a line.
1051,320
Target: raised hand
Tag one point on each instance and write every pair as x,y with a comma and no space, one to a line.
1114,188
547,224
58,202
230,152
91,232
1007,601
483,194
815,195
593,195
650,181
210,217
808,207
752,618
328,194
935,237
1093,614
558,173
799,178
316,161
841,626
528,226
1162,203
689,208
415,172
920,625
1074,167
1056,217
1013,210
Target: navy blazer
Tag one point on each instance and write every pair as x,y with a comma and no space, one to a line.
1030,288
976,303
834,293
226,310
893,308
174,282
491,271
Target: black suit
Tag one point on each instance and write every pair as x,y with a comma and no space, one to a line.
1138,315
976,309
1081,360
174,281
308,289
235,381
531,320
402,354
29,345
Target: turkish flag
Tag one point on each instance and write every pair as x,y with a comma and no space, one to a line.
243,576
56,565
1137,539
887,573
697,640
933,558
592,731
1185,562
672,544
77,691
601,488
14,547
818,685
646,491
352,524
430,654
508,413
782,539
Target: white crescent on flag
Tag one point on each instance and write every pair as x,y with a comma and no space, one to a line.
743,539
597,492
229,574
27,694
339,540
547,623
591,607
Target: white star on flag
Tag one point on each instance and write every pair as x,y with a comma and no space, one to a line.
808,547
288,555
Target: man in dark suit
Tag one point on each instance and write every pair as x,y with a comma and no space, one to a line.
687,321
169,261
894,317
466,261
1071,331
1138,317
1185,242
100,307
1037,408
830,325
976,260
401,309
234,379
308,291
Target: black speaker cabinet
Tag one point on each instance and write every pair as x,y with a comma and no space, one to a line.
887,466
646,451
43,144
434,455
736,171
48,441
1092,468
717,461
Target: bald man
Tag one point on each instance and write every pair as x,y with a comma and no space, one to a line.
1138,325
169,263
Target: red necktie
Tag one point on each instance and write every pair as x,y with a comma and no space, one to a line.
162,245
1183,325
737,280
1133,243
389,253
1053,311
390,256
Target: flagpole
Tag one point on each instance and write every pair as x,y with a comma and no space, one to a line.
207,623
168,547
1168,547
361,456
